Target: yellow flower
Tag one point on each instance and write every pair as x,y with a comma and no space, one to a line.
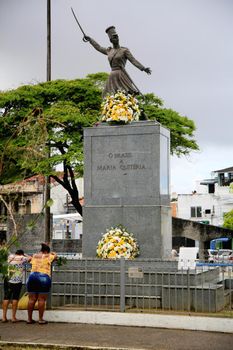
115,243
120,107
112,254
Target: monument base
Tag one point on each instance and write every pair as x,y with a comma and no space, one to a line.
126,182
150,225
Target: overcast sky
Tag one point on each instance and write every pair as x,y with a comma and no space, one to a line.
186,43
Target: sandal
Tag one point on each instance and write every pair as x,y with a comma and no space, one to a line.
43,322
4,321
31,322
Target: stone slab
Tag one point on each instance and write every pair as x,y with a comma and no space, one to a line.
151,226
126,181
127,163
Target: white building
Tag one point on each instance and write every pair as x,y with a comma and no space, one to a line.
67,226
67,223
61,199
212,199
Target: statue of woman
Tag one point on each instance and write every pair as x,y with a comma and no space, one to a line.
118,56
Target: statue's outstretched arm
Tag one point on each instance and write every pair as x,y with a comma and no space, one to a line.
96,45
136,63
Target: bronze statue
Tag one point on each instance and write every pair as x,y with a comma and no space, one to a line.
118,56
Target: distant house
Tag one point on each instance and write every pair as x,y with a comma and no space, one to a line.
212,199
27,197
22,197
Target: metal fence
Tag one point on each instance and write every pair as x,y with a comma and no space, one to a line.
140,286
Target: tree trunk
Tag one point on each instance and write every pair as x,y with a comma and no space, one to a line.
77,204
72,190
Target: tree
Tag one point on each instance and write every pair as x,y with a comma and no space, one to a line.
181,128
228,220
49,118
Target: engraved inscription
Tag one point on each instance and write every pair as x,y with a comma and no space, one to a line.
122,161
106,167
132,166
123,155
120,155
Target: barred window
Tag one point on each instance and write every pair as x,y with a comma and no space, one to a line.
196,212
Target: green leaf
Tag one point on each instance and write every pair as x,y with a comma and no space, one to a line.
49,203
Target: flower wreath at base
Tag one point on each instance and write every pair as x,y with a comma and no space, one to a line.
117,243
120,108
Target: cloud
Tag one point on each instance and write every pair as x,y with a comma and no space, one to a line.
187,43
187,171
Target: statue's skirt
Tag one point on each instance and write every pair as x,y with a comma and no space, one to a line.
119,80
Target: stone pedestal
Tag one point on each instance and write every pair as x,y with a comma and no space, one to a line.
126,181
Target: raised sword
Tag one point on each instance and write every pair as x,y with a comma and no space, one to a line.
79,25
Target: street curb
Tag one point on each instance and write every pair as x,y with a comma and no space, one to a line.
56,346
197,323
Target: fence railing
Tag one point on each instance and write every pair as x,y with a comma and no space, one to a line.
140,286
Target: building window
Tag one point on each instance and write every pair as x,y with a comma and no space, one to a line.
28,207
221,179
211,188
196,212
16,206
208,211
3,209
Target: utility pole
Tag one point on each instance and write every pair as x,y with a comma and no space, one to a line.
48,78
48,40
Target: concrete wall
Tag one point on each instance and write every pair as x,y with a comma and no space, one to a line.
198,231
29,237
67,245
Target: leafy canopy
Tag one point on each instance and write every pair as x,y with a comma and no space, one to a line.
48,118
181,128
51,115
228,220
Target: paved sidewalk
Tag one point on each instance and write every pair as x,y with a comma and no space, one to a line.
119,337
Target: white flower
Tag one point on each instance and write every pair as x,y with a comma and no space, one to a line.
117,242
120,107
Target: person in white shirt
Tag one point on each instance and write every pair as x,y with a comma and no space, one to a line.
13,283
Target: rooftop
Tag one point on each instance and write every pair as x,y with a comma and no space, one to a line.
226,170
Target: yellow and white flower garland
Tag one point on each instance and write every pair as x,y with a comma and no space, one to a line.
117,243
120,108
